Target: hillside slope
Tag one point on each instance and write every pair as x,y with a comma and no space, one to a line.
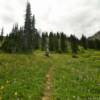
95,36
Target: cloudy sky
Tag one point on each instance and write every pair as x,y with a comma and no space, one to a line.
70,16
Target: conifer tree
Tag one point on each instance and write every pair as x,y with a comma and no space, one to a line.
36,42
28,29
43,40
47,46
33,24
97,44
55,43
63,42
2,33
35,35
59,42
74,45
84,42
51,41
91,44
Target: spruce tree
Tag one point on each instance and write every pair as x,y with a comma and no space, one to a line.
51,41
33,24
36,42
84,42
59,42
2,33
91,44
47,46
63,42
97,44
35,35
43,40
28,29
55,43
74,45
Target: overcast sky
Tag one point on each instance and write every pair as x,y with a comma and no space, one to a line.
70,16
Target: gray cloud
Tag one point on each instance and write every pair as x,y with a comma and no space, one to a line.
70,16
7,19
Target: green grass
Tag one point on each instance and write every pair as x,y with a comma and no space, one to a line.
22,76
77,79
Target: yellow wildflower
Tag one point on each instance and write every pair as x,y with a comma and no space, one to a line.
15,93
2,87
7,81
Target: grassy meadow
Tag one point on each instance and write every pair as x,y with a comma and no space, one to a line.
22,76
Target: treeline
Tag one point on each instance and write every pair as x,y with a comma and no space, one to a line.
27,39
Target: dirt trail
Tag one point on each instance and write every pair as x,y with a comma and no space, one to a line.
47,94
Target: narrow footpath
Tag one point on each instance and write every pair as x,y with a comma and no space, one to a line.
47,94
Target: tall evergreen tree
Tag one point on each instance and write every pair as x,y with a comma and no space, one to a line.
84,42
2,34
35,34
97,44
36,42
28,29
59,42
91,44
51,41
74,45
43,40
33,24
47,46
55,43
63,42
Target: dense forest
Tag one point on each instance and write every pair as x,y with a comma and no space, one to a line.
27,39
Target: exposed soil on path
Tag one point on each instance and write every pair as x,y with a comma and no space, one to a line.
47,94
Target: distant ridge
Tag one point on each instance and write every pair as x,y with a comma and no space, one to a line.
95,36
